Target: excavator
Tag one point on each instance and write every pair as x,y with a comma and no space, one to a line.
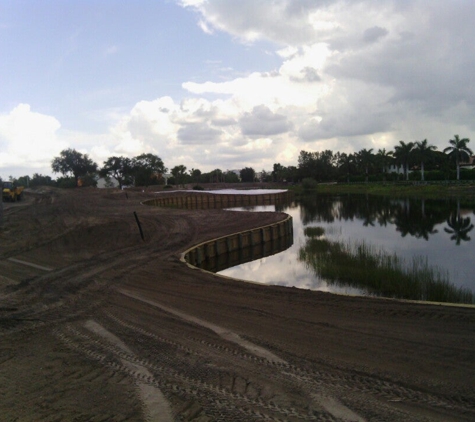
11,192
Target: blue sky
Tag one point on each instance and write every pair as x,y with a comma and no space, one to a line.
226,84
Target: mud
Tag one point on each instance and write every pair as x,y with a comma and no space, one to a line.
97,324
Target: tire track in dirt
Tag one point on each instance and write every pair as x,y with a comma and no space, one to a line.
362,383
216,400
330,404
331,381
156,406
222,332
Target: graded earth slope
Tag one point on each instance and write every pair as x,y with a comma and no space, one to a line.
97,324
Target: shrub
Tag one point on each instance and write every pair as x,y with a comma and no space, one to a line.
309,184
66,182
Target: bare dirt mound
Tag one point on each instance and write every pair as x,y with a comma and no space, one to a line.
98,324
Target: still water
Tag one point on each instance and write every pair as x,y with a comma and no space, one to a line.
437,232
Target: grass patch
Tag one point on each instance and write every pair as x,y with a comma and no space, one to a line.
314,231
361,266
433,190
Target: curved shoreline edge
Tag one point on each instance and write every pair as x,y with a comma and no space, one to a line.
247,238
236,241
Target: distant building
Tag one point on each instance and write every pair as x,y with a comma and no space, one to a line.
394,168
107,182
165,177
470,164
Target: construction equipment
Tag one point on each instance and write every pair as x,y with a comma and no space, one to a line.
11,192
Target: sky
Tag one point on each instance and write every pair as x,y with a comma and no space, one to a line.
230,84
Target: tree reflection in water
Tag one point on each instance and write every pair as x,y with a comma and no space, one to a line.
425,228
411,216
459,228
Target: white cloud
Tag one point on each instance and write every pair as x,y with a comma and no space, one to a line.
262,121
375,66
28,137
204,27
351,74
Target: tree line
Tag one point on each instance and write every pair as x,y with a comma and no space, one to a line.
418,160
78,169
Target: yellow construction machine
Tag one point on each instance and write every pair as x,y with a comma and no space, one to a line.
11,192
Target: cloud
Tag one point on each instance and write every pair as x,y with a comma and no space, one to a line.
372,63
198,134
373,34
262,121
286,22
28,137
350,75
307,74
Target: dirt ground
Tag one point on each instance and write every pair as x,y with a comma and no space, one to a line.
98,325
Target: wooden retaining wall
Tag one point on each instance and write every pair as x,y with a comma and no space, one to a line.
244,240
197,200
241,256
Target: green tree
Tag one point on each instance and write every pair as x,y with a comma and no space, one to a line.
291,174
459,150
119,168
384,158
404,154
279,172
317,165
148,169
365,159
195,175
215,176
346,163
266,176
247,174
179,173
231,177
423,152
72,162
40,180
23,181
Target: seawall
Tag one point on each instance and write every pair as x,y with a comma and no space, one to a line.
279,235
235,248
196,199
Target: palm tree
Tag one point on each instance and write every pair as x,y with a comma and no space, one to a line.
403,155
345,163
423,151
365,158
458,148
384,157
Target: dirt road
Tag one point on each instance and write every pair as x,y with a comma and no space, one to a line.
98,325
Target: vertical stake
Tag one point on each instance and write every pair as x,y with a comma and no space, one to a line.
138,224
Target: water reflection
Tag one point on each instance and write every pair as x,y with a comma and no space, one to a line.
459,228
410,216
261,250
436,231
359,265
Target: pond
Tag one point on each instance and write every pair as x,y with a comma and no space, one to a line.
368,245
